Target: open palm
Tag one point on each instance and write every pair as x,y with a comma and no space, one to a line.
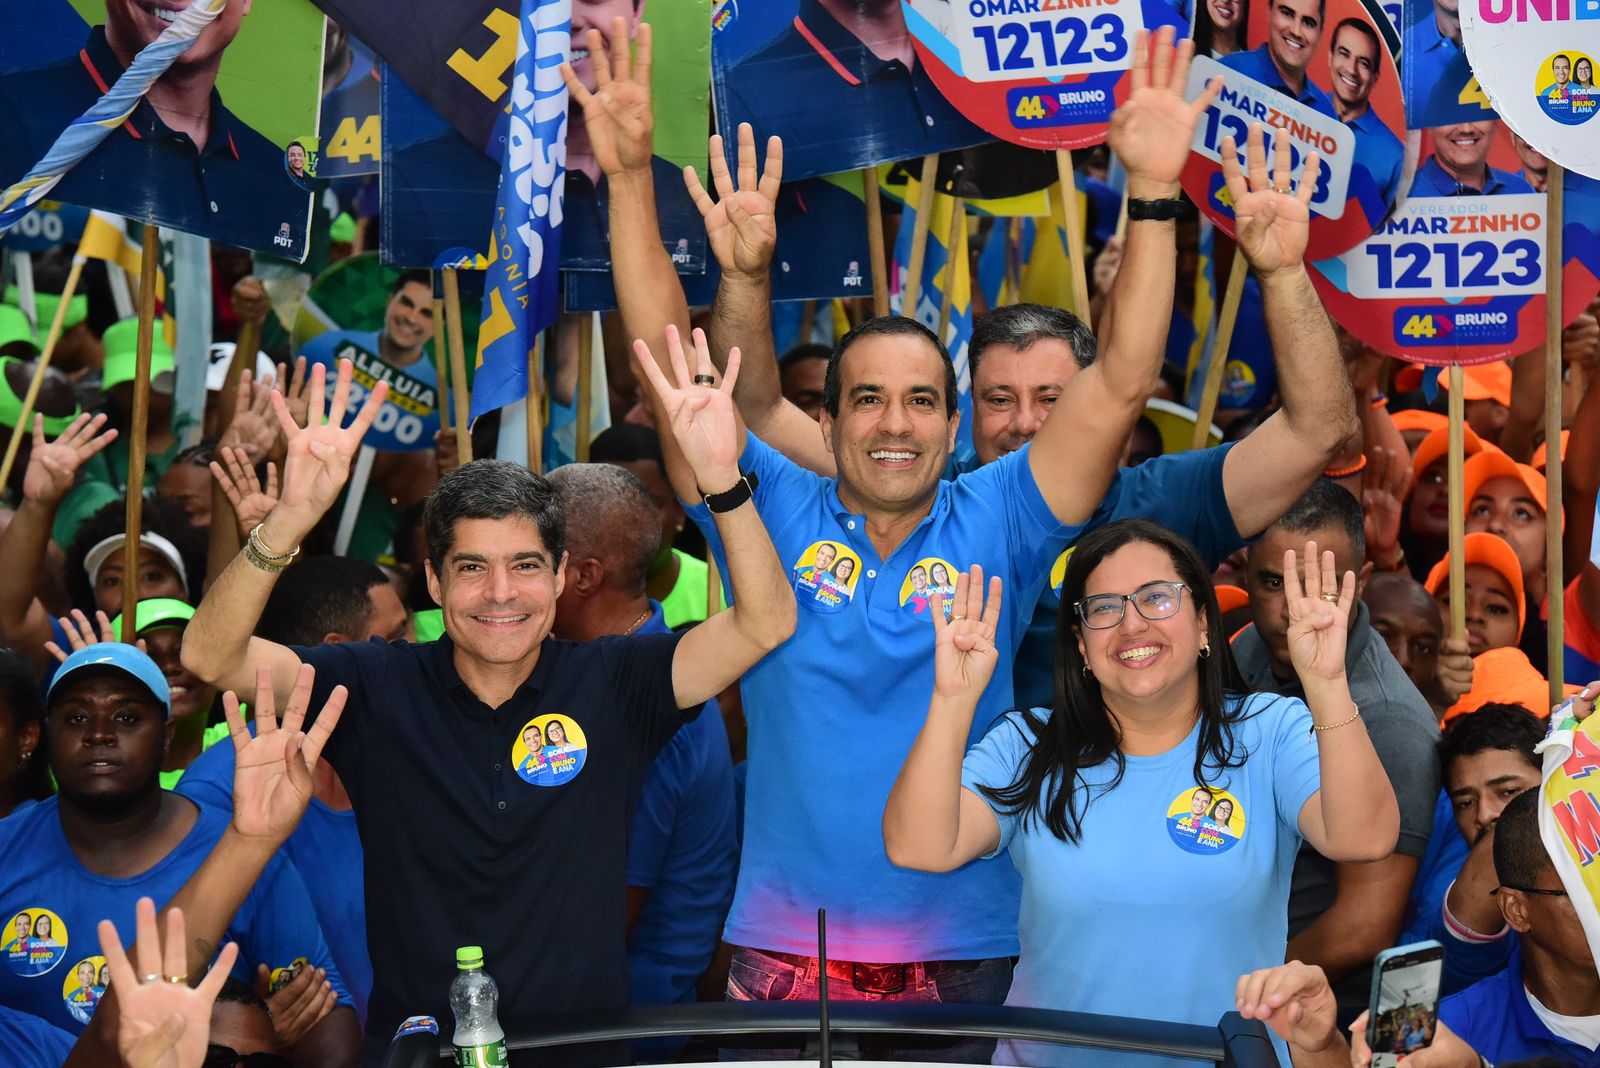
1272,218
964,650
742,223
162,1022
272,771
53,466
1319,607
319,454
702,417
1151,130
617,114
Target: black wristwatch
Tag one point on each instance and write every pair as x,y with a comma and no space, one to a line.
1157,210
729,499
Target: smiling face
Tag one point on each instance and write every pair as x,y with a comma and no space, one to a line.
1223,811
556,733
22,926
1482,784
1505,506
1295,27
1013,390
189,694
941,575
826,555
598,15
1491,609
1583,72
408,320
1561,67
1225,15
106,737
498,589
43,927
297,160
1140,659
844,569
1200,802
1353,61
892,436
133,24
1463,150
532,740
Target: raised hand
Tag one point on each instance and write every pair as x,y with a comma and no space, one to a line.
964,650
162,1022
1319,614
272,771
252,429
319,455
1272,219
251,501
1383,494
742,223
1294,1000
53,467
296,395
80,634
701,414
1151,130
617,114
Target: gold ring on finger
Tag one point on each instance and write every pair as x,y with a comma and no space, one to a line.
176,980
957,617
1333,597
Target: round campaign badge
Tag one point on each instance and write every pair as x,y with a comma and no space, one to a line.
1323,77
1206,820
282,977
1532,64
35,943
1041,73
927,577
1458,275
825,576
550,750
84,986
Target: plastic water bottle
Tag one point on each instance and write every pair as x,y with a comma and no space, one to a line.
478,1039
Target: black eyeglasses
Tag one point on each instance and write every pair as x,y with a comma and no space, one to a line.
224,1057
1530,890
1153,600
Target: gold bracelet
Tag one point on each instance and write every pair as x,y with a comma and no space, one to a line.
257,546
262,562
1315,726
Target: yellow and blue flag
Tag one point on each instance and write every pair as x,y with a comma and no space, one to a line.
521,292
1569,814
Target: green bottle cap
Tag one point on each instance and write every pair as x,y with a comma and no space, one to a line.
469,957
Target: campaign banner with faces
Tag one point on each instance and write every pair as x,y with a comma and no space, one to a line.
1459,274
49,224
352,142
1320,75
1536,65
1040,73
208,150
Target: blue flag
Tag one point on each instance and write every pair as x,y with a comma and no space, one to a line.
520,294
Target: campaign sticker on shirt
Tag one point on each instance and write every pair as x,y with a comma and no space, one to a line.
1564,86
415,1025
1058,570
36,942
282,977
1206,820
825,576
926,578
85,985
550,751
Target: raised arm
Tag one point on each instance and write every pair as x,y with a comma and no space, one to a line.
701,419
1267,472
931,822
217,644
1077,450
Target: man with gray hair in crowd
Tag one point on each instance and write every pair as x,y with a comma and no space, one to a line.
683,849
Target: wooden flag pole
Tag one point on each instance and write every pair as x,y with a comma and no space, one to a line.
1078,282
1554,261
1456,453
458,364
138,430
441,364
808,321
880,268
1219,351
533,407
953,247
919,235
40,366
585,386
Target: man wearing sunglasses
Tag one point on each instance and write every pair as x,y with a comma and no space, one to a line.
242,1032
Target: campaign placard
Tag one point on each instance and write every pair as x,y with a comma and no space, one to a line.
1535,63
1325,78
1439,81
209,150
351,129
1041,73
49,224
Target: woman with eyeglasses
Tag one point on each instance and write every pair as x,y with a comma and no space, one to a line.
1147,715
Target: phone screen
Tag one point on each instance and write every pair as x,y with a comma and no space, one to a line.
1405,1003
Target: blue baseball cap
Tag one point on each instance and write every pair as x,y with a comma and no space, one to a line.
128,659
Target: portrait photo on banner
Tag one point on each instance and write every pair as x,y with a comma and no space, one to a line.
213,148
838,80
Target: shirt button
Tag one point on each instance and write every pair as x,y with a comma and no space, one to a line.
500,804
497,767
851,524
213,206
929,119
872,574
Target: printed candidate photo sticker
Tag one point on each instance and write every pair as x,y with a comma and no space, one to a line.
550,751
84,986
282,977
825,576
36,942
1206,820
928,577
1564,84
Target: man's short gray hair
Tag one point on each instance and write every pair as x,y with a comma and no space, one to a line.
1021,325
610,518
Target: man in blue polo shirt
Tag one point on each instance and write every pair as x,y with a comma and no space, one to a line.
110,836
1355,65
834,710
1440,68
1459,166
1294,27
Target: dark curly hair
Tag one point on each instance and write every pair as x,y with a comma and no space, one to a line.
161,516
21,701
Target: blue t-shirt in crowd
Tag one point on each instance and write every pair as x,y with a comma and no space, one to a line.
1183,492
40,876
683,847
1465,961
326,849
834,710
29,1042
1166,899
1496,1020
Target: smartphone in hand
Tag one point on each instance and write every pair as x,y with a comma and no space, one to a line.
1405,1001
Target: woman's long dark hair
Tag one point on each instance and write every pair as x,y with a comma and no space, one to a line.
1081,733
21,701
1205,31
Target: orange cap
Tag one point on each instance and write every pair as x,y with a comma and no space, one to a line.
1484,381
1231,597
1418,419
1409,377
1539,456
1505,675
1492,463
1491,550
1437,444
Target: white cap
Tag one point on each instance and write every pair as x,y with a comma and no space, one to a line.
220,355
102,550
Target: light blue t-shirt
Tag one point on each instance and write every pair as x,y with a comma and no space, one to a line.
60,978
1169,895
834,710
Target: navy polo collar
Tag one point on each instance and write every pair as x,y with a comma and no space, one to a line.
840,49
104,68
441,664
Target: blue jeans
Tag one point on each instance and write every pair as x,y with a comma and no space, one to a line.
757,976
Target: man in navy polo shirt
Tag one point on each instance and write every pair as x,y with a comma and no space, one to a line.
833,711
466,840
